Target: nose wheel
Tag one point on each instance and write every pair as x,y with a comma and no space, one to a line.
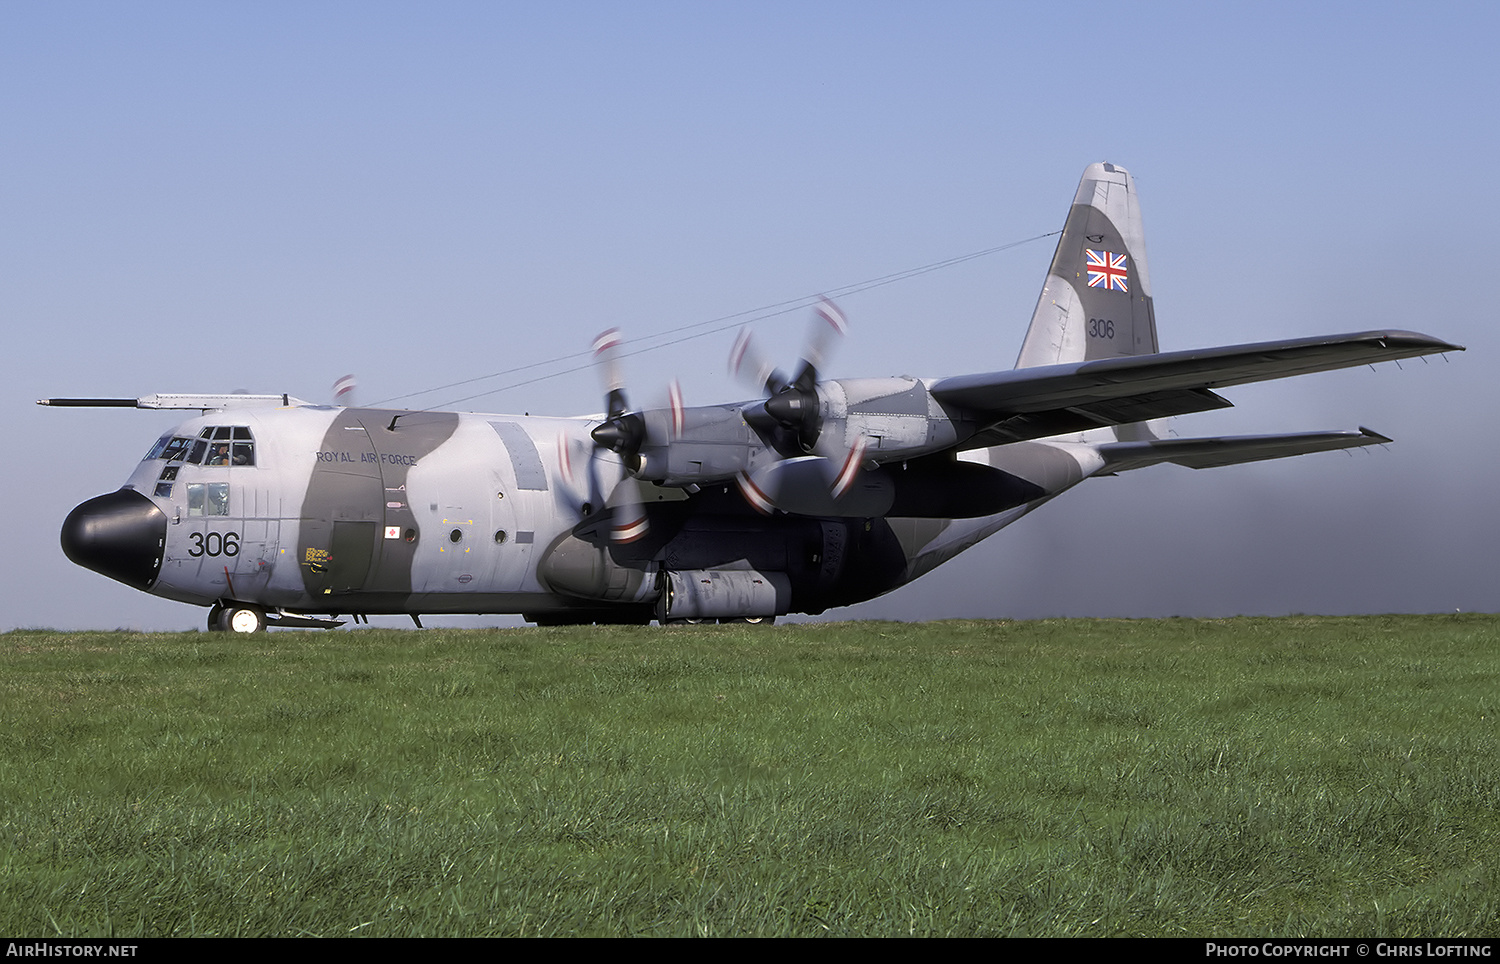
236,618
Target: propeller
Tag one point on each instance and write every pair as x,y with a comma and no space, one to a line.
790,420
624,432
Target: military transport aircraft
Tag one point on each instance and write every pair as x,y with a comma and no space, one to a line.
821,493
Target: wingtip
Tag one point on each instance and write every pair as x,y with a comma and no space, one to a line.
1416,339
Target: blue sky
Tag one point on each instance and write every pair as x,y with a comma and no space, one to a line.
265,196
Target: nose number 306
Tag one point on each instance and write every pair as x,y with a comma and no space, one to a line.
214,544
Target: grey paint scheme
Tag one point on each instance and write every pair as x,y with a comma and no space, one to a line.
365,511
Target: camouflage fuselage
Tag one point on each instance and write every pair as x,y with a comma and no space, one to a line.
348,510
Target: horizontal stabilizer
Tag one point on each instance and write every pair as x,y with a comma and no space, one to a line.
1049,400
1207,453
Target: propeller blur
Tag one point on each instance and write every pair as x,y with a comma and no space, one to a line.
269,510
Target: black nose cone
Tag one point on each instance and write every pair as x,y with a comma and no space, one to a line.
121,535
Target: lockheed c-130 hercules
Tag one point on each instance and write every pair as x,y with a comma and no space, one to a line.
821,493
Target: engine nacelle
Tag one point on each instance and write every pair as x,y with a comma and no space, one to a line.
724,594
898,418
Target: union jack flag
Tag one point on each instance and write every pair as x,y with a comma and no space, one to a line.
1106,270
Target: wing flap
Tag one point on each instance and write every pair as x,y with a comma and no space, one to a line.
1097,414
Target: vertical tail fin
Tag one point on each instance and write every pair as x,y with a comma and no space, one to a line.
1097,299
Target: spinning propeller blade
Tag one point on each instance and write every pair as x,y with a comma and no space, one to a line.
791,419
624,432
629,522
751,367
343,391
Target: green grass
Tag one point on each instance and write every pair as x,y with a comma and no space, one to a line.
1297,776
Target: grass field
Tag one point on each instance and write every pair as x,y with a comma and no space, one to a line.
1294,776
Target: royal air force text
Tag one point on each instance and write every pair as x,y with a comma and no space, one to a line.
390,458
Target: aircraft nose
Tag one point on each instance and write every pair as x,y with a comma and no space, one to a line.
121,535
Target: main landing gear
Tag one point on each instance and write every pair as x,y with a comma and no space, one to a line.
236,618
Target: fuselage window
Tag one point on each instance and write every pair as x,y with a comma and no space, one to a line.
211,498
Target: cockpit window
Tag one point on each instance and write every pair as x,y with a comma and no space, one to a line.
158,448
231,445
215,445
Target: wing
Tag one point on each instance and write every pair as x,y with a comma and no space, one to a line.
1048,400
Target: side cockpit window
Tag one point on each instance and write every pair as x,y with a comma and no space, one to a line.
164,483
211,498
